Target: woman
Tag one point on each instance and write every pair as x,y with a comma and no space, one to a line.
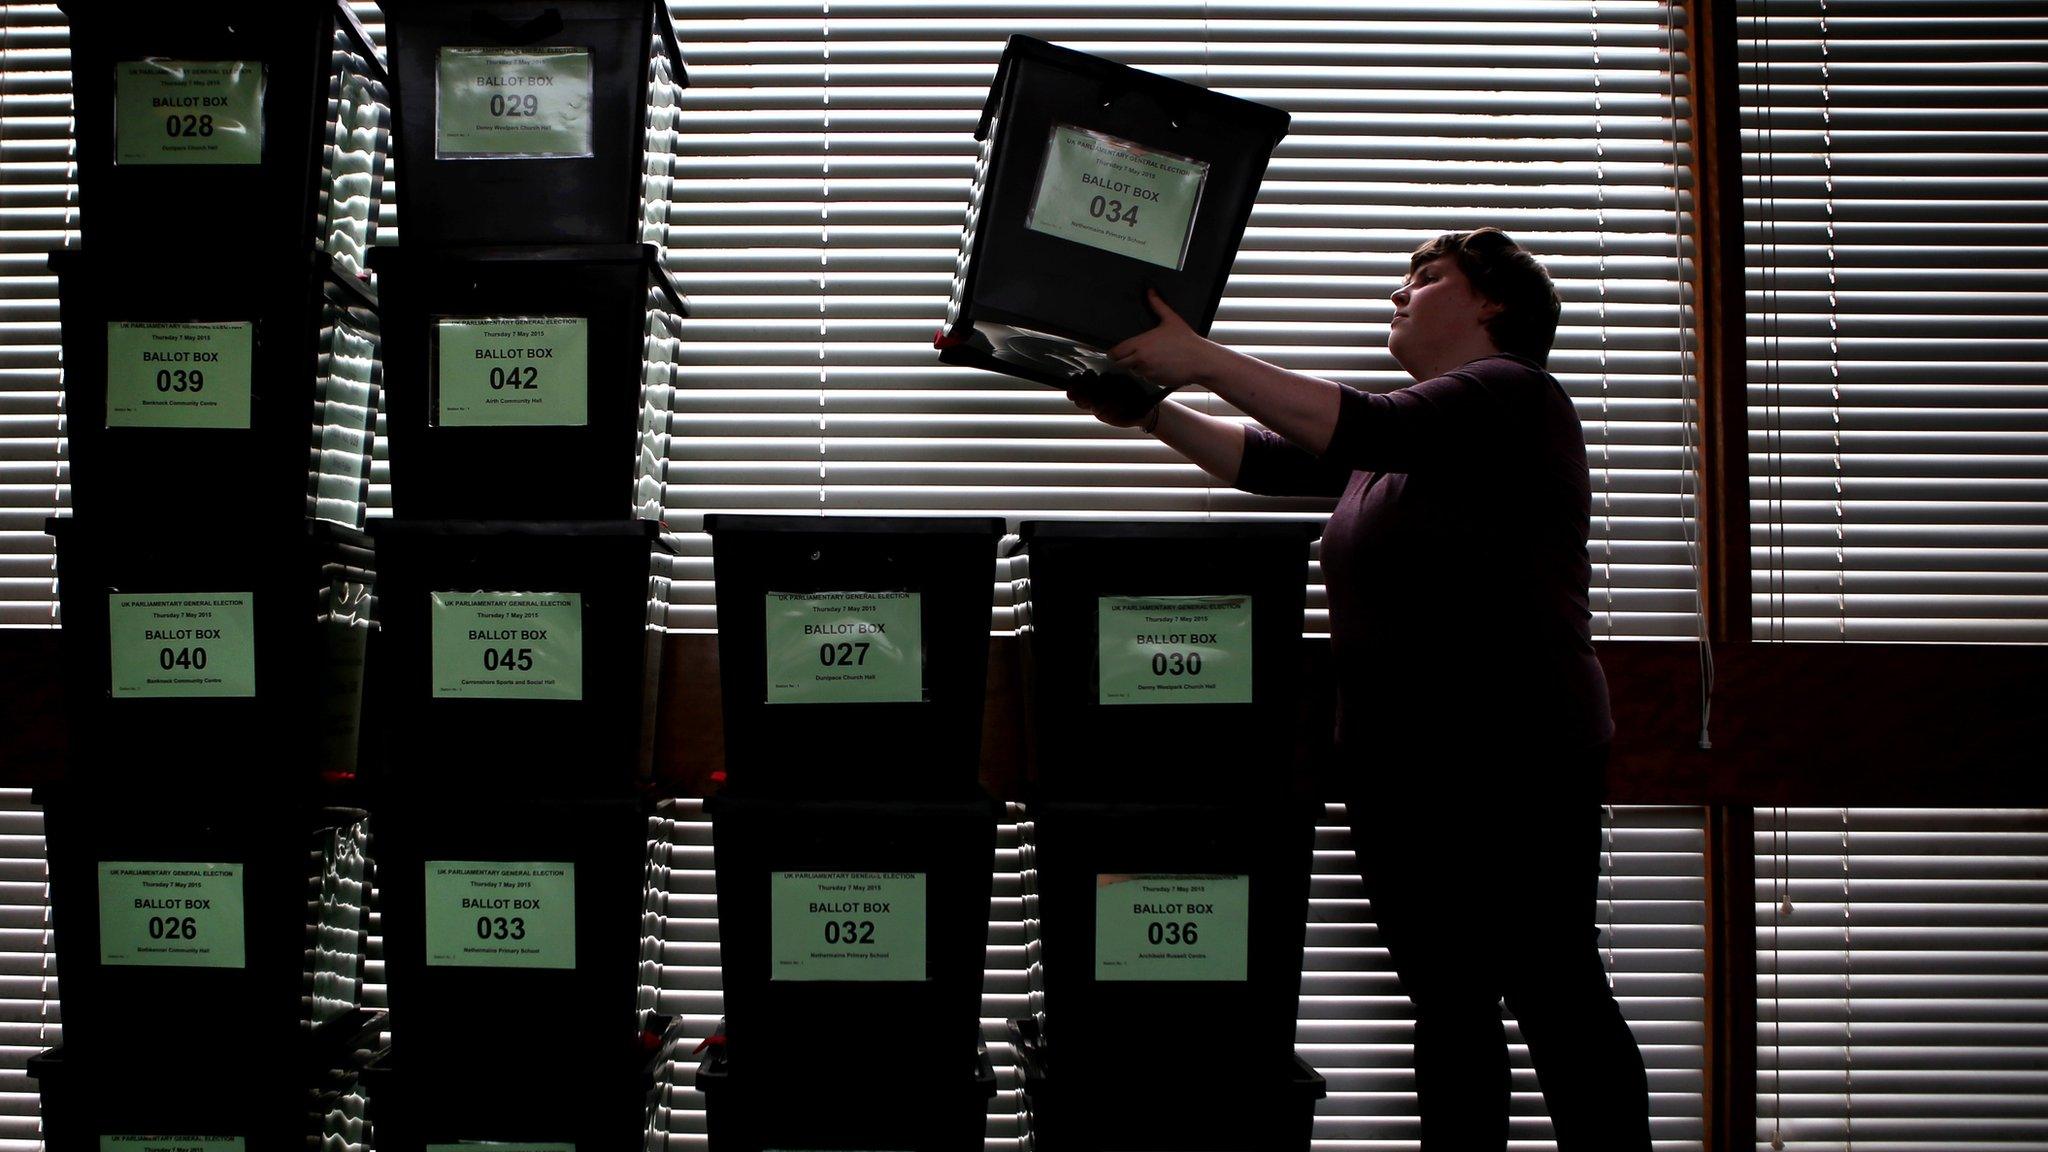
1473,721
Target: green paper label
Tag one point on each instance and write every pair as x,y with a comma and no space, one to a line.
492,914
1171,927
513,371
179,375
171,914
181,644
1117,196
532,103
172,1144
847,925
845,647
1174,650
188,112
508,645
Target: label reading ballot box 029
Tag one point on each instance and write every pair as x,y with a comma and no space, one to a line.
171,914
181,644
188,112
1117,196
847,925
1171,927
179,375
845,647
498,914
523,371
1174,650
492,103
508,645
173,1143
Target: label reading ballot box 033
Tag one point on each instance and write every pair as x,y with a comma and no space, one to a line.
179,375
1117,196
181,644
845,647
524,371
1171,927
172,1143
508,645
171,914
1174,650
188,112
498,914
494,103
847,925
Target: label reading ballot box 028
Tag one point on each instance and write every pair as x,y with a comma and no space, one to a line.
171,914
1117,196
847,925
1174,650
173,1143
498,914
523,371
508,645
492,103
179,375
188,112
845,647
181,644
1171,927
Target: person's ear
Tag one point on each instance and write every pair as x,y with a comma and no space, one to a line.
1488,309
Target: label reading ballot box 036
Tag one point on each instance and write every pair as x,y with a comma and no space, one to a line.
845,647
492,103
524,371
1174,650
188,112
1117,196
171,914
172,1143
1171,927
181,644
497,914
508,645
179,375
847,925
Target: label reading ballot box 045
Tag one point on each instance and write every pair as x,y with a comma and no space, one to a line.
508,645
172,1143
188,112
523,371
179,375
171,914
1117,196
847,925
1174,650
497,914
845,647
492,103
1171,927
181,644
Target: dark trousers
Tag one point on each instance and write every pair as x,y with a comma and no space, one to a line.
1483,872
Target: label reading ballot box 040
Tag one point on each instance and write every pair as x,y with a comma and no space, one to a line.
847,925
492,103
172,1143
171,914
521,371
508,645
1117,196
1174,650
845,647
188,112
179,375
497,914
1171,927
181,644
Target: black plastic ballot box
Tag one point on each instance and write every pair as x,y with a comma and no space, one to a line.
874,1107
1095,182
534,121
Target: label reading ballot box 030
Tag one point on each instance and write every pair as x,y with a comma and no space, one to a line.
847,925
1117,196
492,103
179,375
498,914
845,647
1174,650
508,645
523,371
181,644
188,112
171,914
1171,927
172,1143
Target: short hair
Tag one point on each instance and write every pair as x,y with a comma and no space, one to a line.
1505,273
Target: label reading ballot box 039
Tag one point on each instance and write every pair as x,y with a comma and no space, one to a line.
188,112
845,647
179,375
508,645
498,914
846,925
1117,196
492,103
171,914
181,644
525,371
1171,927
1174,650
172,1143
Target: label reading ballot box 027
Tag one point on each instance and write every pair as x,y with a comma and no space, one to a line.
519,371
181,644
173,1143
171,914
1171,927
1174,650
179,375
1117,196
492,103
498,914
188,112
508,645
847,925
845,647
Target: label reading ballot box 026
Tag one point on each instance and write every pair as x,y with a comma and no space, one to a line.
508,645
1117,196
1171,927
847,925
171,914
845,647
498,914
524,371
181,644
179,375
173,1143
492,103
188,112
1174,650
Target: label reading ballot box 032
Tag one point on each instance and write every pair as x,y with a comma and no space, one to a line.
171,914
1171,927
1117,196
188,112
492,103
181,644
179,375
1174,650
498,914
508,645
172,1143
845,647
524,371
847,925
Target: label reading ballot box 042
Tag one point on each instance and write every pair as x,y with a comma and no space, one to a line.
1174,650
1117,196
847,925
508,645
188,112
179,375
520,371
492,103
171,914
1171,927
845,647
497,914
181,644
173,1143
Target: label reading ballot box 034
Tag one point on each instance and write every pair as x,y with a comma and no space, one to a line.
1117,196
1174,650
498,914
171,914
508,645
847,925
181,644
172,1143
188,112
179,375
524,371
1171,927
845,647
492,103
